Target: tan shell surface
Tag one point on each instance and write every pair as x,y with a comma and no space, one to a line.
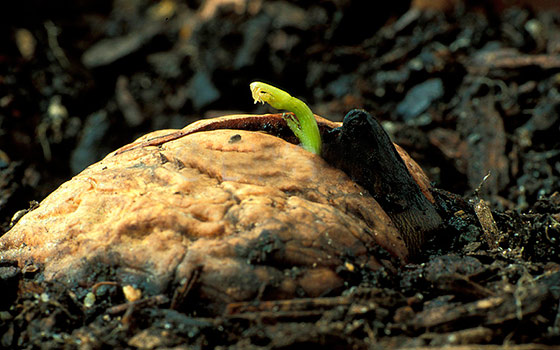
256,215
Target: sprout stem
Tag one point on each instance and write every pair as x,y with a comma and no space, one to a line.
304,125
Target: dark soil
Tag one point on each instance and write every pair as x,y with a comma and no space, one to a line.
472,92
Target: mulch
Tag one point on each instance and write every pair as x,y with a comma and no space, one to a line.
471,91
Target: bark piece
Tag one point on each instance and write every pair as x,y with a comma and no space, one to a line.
526,302
483,129
510,59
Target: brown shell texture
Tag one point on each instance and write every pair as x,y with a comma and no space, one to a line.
251,214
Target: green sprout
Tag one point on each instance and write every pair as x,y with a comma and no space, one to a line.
303,125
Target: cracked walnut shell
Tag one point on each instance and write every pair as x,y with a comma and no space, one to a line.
253,215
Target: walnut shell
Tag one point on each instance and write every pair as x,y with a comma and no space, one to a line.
255,215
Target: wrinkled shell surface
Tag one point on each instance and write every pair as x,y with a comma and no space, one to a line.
257,216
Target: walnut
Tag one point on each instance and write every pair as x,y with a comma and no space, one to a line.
252,215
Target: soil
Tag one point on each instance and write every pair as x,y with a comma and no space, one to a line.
470,90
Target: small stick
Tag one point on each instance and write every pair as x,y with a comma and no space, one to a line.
486,219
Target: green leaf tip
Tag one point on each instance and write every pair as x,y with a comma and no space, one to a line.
304,125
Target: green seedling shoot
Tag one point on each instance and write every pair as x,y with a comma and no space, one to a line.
303,124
